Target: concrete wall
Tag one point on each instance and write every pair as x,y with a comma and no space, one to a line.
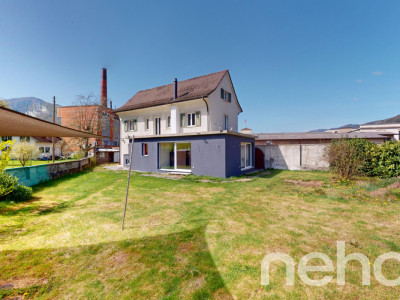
294,156
32,175
211,155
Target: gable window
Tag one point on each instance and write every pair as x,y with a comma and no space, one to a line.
145,149
169,122
246,155
147,124
226,122
226,95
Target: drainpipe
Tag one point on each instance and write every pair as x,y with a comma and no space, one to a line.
208,114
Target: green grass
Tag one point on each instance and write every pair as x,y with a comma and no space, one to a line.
187,239
16,163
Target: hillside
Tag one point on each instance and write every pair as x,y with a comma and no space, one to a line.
34,107
392,120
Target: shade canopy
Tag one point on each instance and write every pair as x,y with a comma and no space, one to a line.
13,123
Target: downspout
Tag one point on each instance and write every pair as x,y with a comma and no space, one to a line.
208,114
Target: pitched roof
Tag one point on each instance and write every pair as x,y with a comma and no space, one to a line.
42,139
187,90
317,135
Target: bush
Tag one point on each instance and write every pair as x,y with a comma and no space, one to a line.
347,156
383,160
7,184
20,193
78,155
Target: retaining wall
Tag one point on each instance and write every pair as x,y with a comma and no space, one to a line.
32,175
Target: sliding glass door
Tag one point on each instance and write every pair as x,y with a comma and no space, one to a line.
246,155
175,156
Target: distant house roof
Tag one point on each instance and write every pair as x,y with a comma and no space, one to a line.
316,136
187,90
42,139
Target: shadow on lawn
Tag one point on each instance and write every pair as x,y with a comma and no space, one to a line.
177,265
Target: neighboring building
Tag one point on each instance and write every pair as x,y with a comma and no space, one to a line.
188,127
100,117
382,129
303,150
44,145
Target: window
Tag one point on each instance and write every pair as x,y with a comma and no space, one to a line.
102,155
175,156
147,124
169,122
126,125
47,149
133,125
226,95
246,155
226,122
24,139
157,126
41,149
6,138
191,118
145,149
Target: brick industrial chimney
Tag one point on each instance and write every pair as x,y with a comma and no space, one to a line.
103,97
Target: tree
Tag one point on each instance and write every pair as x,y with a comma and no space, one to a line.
87,117
24,152
5,149
4,103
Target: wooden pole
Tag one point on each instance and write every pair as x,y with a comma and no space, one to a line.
129,179
53,139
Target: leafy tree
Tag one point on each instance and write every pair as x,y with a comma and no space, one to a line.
347,157
5,149
4,103
24,152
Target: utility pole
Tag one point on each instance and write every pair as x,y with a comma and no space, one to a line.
53,139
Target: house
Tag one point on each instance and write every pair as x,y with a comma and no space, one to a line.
44,145
187,127
301,150
98,119
382,129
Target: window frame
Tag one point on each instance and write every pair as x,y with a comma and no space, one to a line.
251,164
191,119
226,122
169,122
147,124
145,149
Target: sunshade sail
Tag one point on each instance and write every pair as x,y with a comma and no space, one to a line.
13,123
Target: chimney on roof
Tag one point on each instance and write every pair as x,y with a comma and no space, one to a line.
103,97
176,88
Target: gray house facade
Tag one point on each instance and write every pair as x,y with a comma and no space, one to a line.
219,154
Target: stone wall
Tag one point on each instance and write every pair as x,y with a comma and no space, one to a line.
32,175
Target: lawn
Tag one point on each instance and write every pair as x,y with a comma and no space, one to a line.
16,163
186,239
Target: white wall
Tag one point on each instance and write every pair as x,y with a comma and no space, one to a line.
220,107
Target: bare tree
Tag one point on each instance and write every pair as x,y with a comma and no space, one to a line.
24,152
87,117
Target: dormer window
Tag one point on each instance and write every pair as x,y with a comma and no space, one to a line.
226,95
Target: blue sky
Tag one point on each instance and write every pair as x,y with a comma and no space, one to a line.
296,65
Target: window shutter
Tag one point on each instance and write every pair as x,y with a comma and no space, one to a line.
222,93
182,120
126,125
229,97
198,119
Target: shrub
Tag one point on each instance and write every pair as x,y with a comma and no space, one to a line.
347,156
383,160
78,155
24,152
20,193
7,184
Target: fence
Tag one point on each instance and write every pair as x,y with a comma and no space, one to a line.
32,175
